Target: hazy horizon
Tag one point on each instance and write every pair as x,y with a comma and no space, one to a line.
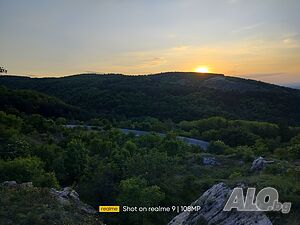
252,39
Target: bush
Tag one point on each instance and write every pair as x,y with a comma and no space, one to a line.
135,192
26,170
294,151
217,147
245,153
296,139
235,175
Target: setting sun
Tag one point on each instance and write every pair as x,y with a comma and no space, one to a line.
202,70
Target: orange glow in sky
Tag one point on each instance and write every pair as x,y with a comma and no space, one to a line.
252,39
202,70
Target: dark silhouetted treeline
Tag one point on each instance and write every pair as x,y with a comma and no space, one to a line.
176,96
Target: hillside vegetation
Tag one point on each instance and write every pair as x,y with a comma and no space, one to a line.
108,167
32,102
176,96
37,206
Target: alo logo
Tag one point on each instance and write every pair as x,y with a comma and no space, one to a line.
266,200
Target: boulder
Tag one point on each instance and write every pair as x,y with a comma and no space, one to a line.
209,161
26,184
259,164
9,183
68,196
212,203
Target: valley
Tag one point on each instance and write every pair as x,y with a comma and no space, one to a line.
166,142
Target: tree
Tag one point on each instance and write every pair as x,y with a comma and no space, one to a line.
26,170
245,153
14,147
135,192
236,136
75,160
153,166
294,151
296,140
217,147
3,70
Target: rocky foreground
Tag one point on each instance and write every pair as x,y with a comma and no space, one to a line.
25,204
212,203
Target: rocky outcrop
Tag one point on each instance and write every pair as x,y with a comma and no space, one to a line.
68,196
259,164
64,197
209,161
9,183
212,203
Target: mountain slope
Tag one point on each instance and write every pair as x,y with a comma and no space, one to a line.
32,102
176,95
24,204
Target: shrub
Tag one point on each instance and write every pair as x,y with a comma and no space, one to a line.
217,147
26,170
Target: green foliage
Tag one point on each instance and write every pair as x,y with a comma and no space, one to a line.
9,125
155,165
131,147
49,154
100,184
245,153
26,170
75,160
36,206
135,192
234,132
109,167
294,151
262,129
279,168
217,147
32,102
237,136
14,147
296,140
100,147
9,121
172,146
235,175
177,96
291,152
287,187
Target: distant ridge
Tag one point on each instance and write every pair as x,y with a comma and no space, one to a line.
175,95
112,74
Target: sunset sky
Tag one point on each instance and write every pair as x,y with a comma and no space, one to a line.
257,39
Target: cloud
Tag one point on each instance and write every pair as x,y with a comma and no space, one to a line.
247,28
292,41
180,48
151,62
273,58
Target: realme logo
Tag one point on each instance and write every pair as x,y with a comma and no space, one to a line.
109,209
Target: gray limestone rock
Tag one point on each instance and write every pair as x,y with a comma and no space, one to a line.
259,164
212,203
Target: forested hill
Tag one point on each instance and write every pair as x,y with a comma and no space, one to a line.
176,95
32,102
